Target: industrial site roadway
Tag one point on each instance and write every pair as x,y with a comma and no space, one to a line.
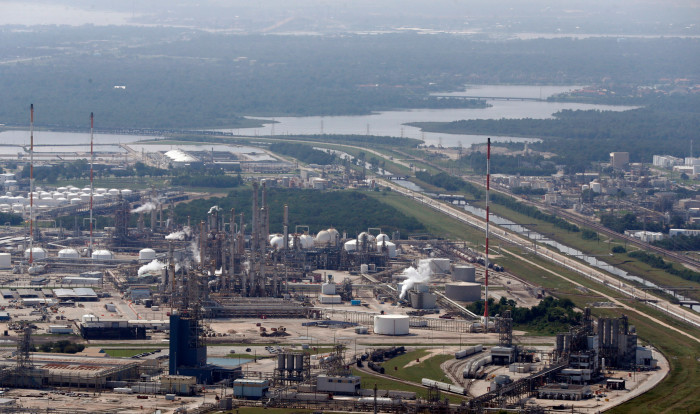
561,259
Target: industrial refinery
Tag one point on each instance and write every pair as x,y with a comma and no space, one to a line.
226,313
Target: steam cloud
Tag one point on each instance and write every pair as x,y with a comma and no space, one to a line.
420,275
195,250
154,266
146,208
179,235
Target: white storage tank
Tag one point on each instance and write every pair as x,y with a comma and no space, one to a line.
101,190
390,247
113,192
37,253
306,241
5,260
328,288
102,255
464,273
323,238
68,254
391,324
147,254
382,237
364,268
277,242
126,192
350,245
85,197
595,187
463,291
440,265
335,236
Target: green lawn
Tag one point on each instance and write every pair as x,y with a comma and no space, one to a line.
427,368
127,353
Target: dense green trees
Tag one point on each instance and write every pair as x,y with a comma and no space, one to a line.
304,153
350,211
659,263
507,164
549,316
627,221
680,242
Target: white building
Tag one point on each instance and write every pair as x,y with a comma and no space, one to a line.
684,232
666,161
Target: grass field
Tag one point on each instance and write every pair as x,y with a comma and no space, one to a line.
127,353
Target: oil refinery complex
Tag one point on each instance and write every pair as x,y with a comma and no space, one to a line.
228,315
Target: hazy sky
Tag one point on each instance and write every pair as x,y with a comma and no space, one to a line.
676,17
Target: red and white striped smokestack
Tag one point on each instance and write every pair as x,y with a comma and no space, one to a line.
486,271
92,159
31,184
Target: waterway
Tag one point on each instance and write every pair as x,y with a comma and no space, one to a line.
393,123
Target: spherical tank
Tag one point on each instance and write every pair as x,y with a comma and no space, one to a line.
277,242
391,324
335,236
147,254
382,237
463,291
323,238
306,241
464,273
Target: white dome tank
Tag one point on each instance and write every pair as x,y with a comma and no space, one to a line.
37,253
382,237
68,254
101,190
113,191
306,241
126,192
391,248
363,235
391,324
323,238
277,242
102,255
335,236
350,245
147,254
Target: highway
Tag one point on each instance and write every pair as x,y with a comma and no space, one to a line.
555,256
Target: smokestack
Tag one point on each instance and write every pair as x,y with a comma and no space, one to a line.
92,160
286,226
31,184
486,271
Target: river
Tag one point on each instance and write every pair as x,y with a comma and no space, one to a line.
392,123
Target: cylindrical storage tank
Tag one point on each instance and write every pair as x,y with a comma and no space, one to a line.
281,361
5,208
74,201
85,197
113,192
298,362
5,260
102,255
463,291
585,187
68,254
595,187
101,190
126,192
37,253
364,269
290,362
440,265
147,254
328,288
86,190
62,189
56,195
464,273
390,247
391,324
350,245
98,198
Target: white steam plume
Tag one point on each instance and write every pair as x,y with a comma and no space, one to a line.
213,209
195,250
179,235
146,208
416,275
154,266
